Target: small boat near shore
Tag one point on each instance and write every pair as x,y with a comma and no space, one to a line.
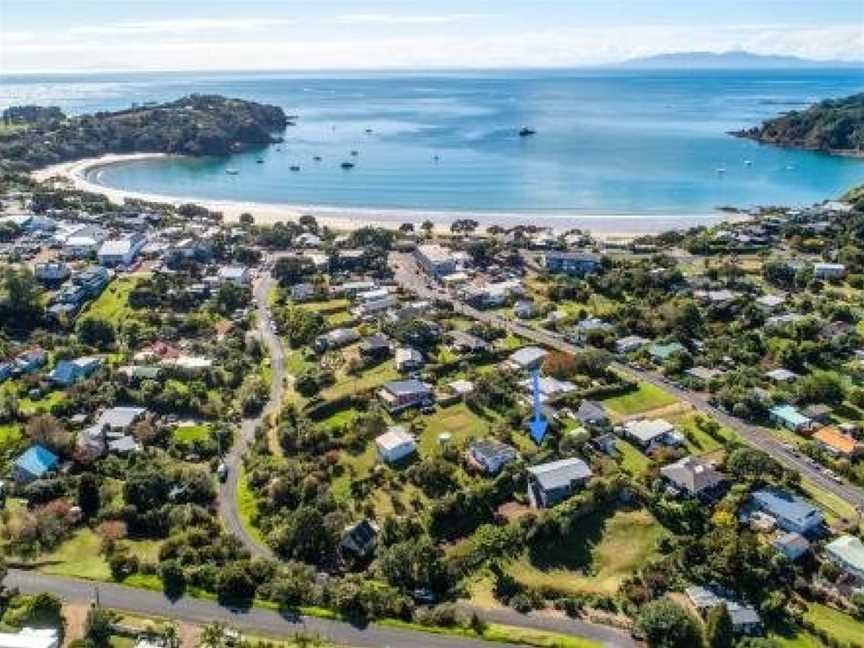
347,165
748,163
294,167
526,132
317,158
259,161
231,171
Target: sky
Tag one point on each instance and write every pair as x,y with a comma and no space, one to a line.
107,35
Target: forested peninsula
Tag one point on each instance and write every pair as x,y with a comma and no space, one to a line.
834,126
32,136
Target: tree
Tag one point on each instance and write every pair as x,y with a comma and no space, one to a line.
406,228
292,269
20,306
309,223
427,226
235,583
96,332
88,495
173,578
247,219
46,430
719,632
97,627
667,625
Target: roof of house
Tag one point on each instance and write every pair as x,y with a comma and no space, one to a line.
664,351
362,534
461,338
591,411
435,253
120,417
233,272
412,386
461,386
117,247
849,549
559,474
376,341
782,504
703,373
407,354
692,474
770,300
528,356
123,445
781,375
791,543
37,460
835,439
646,430
30,638
394,437
789,414
492,450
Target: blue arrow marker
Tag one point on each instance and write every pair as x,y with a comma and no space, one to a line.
538,425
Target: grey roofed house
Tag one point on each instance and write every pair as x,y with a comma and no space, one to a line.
336,338
705,374
592,413
374,345
792,545
791,512
694,476
408,359
847,552
648,431
124,445
466,343
491,455
530,357
360,538
120,418
745,619
553,482
781,375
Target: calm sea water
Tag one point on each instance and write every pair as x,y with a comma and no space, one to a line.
607,141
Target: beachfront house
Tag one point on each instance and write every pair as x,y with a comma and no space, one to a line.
792,513
395,445
593,415
575,264
435,260
121,251
792,545
408,360
553,482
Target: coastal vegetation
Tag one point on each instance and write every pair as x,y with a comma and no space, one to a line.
193,125
833,126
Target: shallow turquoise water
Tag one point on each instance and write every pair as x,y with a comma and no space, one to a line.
607,141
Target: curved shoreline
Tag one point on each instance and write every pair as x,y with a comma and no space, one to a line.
604,225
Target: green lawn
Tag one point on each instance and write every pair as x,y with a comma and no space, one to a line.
601,551
191,433
369,379
457,420
647,397
633,461
329,306
834,507
9,433
113,303
29,407
80,557
295,364
248,507
837,624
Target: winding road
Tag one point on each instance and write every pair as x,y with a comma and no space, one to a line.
410,278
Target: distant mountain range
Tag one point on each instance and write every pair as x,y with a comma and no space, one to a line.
728,60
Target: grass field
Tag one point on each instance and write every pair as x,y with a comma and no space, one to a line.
248,507
9,433
192,433
647,397
369,379
325,307
113,303
457,420
633,461
837,624
834,507
80,556
603,549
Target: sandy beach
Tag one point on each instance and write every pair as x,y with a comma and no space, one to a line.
606,226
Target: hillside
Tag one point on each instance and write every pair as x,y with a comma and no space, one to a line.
834,126
726,61
34,137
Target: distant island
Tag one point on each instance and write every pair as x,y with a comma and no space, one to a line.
834,126
737,60
32,137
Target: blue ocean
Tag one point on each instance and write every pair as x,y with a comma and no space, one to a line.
607,141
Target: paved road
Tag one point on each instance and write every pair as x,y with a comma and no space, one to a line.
228,503
255,620
410,278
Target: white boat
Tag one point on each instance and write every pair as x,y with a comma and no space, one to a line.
721,170
748,163
231,171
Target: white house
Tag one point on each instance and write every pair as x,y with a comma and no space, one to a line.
829,270
240,275
31,638
395,444
121,251
649,433
847,552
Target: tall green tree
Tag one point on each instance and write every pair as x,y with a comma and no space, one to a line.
719,632
667,625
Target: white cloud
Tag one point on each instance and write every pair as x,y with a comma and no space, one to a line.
402,19
184,26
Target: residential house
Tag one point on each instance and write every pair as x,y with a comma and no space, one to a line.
375,347
351,288
704,374
524,309
52,272
592,414
791,512
695,478
236,274
548,388
745,619
648,434
6,370
395,445
399,395
847,552
462,342
68,372
551,483
527,358
359,539
408,360
630,343
660,353
829,270
335,339
308,240
82,241
584,328
372,307
575,264
350,260
93,280
31,360
836,443
780,376
121,251
770,302
789,417
792,545
37,462
490,456
435,260
302,292
818,412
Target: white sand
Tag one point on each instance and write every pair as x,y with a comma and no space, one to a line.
604,226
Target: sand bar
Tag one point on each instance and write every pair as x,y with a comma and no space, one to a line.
604,225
